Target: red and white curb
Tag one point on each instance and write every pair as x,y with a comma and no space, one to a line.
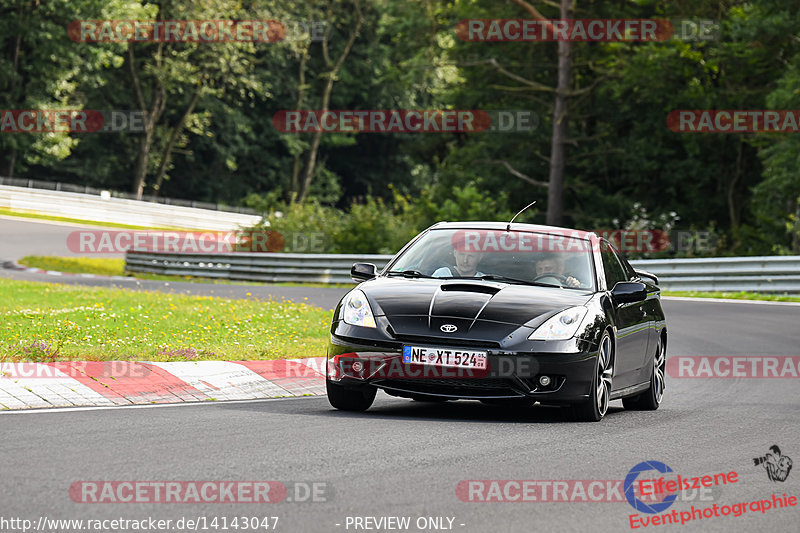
108,383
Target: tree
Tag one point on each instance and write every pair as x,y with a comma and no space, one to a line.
555,188
41,68
330,74
187,72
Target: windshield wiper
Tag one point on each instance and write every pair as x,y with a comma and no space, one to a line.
408,274
492,277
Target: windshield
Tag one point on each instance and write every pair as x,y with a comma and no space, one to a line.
513,256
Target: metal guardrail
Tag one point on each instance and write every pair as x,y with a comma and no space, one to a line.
773,274
769,274
246,266
85,189
105,208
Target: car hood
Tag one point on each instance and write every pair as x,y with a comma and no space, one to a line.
480,309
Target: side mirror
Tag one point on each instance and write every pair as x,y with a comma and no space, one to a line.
646,274
363,271
626,292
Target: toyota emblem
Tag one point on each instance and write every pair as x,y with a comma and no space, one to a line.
448,328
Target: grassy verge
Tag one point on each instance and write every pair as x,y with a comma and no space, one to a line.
105,267
734,295
116,267
24,214
77,265
45,322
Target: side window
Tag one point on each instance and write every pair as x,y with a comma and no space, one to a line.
630,273
612,266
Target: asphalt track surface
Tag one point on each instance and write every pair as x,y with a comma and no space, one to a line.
29,236
20,237
403,458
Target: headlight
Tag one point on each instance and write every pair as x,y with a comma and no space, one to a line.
562,326
356,311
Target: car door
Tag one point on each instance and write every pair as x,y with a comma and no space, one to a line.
631,321
649,310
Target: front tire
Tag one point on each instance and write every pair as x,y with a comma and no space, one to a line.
595,408
650,399
350,399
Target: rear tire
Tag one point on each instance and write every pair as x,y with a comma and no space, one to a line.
595,408
350,399
650,399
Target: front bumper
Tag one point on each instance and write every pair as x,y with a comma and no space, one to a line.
354,363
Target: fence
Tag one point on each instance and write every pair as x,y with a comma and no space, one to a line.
105,208
276,268
773,274
778,274
85,189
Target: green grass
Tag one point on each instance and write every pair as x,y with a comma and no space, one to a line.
742,295
45,322
26,214
77,265
108,267
116,267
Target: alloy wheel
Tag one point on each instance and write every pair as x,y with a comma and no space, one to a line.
605,371
659,366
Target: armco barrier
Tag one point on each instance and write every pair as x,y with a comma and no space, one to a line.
271,267
119,210
774,274
94,191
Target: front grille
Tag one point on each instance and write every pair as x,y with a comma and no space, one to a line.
449,342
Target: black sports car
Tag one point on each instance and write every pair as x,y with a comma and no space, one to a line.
502,313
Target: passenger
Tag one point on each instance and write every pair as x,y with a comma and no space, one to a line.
466,266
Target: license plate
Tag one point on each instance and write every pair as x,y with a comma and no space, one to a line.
448,357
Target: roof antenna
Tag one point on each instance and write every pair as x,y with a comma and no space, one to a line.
508,227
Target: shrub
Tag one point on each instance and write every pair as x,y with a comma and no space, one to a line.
375,226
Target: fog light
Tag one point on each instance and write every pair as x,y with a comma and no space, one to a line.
544,381
357,366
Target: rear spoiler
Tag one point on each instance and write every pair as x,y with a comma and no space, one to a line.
646,274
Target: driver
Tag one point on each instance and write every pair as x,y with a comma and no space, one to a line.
551,265
466,266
